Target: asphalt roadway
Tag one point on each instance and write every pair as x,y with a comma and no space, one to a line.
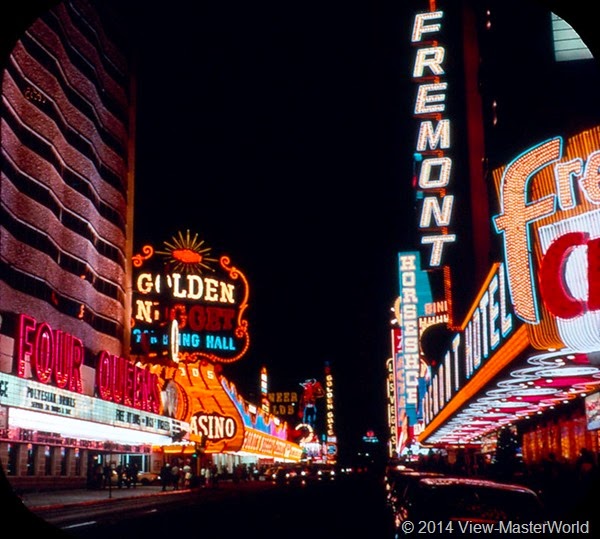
39,501
26,509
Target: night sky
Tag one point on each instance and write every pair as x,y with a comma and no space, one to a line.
275,133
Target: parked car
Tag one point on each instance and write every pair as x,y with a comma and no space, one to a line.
148,478
397,481
460,501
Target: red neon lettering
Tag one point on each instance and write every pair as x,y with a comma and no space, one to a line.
553,290
121,382
26,326
593,259
210,318
53,355
42,357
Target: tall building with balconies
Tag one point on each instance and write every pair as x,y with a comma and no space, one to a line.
66,186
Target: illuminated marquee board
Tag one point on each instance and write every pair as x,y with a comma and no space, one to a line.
190,306
432,162
549,213
33,396
415,292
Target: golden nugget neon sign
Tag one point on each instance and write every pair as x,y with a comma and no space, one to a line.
190,306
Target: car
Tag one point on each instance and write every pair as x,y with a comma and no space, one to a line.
464,501
397,481
143,478
321,472
274,473
148,478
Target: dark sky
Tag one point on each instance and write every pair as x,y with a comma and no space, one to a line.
274,132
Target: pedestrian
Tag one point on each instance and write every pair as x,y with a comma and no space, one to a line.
107,472
586,468
165,475
214,472
207,476
553,482
187,475
132,474
175,476
120,475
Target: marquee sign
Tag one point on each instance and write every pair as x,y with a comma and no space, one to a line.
187,305
56,358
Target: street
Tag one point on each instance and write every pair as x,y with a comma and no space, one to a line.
342,508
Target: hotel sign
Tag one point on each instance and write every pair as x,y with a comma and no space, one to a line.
548,219
432,162
56,358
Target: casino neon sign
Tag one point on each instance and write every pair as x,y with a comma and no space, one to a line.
190,306
549,210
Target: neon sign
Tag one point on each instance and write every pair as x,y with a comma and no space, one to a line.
53,356
408,361
214,427
181,314
549,210
120,381
433,141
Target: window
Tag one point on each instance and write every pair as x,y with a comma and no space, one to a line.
568,46
30,459
63,461
13,458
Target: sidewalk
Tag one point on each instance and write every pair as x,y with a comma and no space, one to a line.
39,501
62,498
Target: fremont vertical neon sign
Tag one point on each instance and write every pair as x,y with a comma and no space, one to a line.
433,166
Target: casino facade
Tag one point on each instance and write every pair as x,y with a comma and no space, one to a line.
106,356
496,326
